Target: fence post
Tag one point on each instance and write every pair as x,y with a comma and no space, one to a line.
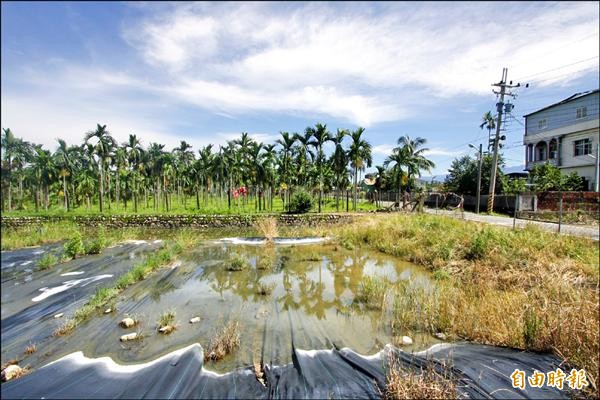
515,212
346,200
436,202
560,211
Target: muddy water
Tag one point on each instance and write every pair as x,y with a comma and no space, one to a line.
312,305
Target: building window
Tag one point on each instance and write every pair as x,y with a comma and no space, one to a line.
583,147
542,124
581,112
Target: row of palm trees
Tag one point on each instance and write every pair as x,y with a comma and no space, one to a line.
103,172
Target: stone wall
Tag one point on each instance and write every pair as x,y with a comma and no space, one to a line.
174,221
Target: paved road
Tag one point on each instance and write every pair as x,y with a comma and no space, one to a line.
577,230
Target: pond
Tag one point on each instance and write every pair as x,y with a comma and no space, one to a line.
292,294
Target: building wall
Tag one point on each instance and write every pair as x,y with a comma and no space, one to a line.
563,126
563,115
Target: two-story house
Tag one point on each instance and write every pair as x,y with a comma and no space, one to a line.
565,134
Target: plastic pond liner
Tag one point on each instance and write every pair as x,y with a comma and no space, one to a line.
296,302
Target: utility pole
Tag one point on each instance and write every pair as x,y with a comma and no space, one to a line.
500,107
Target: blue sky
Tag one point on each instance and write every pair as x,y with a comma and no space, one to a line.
204,72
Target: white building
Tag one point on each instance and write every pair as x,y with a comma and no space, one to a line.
566,134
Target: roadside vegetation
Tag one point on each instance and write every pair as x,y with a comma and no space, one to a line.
526,288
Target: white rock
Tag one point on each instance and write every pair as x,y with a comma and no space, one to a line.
127,323
194,320
166,329
440,335
108,311
11,372
59,315
129,336
406,341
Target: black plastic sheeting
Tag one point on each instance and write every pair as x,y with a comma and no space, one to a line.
480,372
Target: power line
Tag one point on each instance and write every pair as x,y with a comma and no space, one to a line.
557,68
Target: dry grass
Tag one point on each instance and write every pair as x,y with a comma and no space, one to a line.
66,328
406,384
526,289
267,227
22,372
223,342
30,349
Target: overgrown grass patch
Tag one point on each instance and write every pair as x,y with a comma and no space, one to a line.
525,288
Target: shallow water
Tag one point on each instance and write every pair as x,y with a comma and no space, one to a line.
312,304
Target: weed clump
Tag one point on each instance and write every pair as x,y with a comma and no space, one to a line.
265,289
30,349
371,292
47,261
167,318
66,328
223,342
237,263
268,227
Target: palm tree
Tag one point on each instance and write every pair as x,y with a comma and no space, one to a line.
399,158
287,145
489,123
320,135
303,151
135,153
64,162
45,170
10,146
155,156
103,149
339,162
360,156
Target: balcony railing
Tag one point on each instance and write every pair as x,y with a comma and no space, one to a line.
553,161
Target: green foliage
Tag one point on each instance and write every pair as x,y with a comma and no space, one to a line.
547,177
463,172
47,261
441,275
74,246
513,186
301,202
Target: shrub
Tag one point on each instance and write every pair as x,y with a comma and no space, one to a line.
301,202
96,245
47,261
74,246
